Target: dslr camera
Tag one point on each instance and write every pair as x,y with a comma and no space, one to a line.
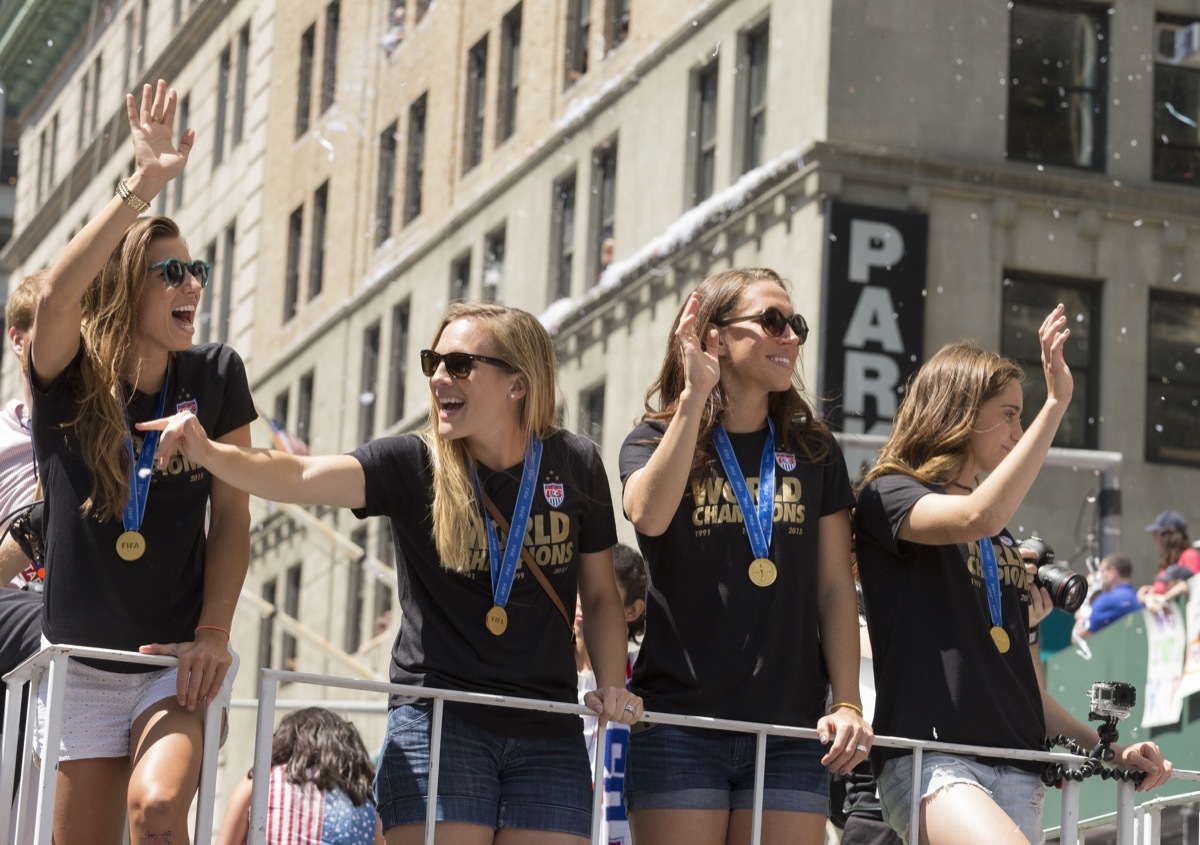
1067,589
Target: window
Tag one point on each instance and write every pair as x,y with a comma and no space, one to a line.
41,174
385,184
283,401
127,74
176,13
493,265
752,84
1028,298
304,406
97,67
266,626
399,369
414,165
204,319
228,266
143,25
618,23
476,104
1057,91
308,47
52,176
703,131
562,239
386,553
291,281
604,204
80,135
355,595
291,606
316,256
460,277
579,27
510,74
223,68
329,62
423,6
591,414
239,88
368,384
184,114
1173,371
1176,106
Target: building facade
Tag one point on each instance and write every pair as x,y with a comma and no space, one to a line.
920,172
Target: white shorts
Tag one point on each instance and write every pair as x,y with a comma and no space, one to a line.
102,706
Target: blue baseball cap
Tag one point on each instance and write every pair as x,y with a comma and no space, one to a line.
1169,521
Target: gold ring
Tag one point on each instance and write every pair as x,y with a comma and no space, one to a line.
155,119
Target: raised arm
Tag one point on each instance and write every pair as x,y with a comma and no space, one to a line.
57,320
942,520
336,480
652,494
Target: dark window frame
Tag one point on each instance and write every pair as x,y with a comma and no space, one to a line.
702,130
1168,388
475,110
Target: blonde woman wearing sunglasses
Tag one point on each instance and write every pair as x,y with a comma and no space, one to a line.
476,617
129,563
751,608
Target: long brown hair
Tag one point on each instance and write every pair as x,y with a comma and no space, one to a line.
795,421
933,427
110,310
1173,544
318,746
518,338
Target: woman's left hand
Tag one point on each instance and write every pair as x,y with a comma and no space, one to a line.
202,666
1148,757
849,738
1040,603
614,704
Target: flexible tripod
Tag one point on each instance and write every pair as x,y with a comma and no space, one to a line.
1056,773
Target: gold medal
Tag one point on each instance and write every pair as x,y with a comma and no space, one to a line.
497,620
131,545
763,572
1000,638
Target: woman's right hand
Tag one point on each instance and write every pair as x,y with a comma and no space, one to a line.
1059,383
181,433
150,128
701,366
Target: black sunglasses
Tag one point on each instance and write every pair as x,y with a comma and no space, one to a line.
458,364
175,271
773,323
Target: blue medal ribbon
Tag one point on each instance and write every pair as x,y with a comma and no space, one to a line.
991,579
503,575
759,524
141,467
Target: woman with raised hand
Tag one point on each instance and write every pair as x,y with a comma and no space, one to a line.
129,563
484,608
948,598
751,608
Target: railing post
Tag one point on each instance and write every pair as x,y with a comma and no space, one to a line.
435,765
760,775
264,728
1152,831
1070,813
8,755
207,795
914,810
55,698
1125,813
598,784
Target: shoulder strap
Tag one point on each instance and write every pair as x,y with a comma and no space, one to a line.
531,565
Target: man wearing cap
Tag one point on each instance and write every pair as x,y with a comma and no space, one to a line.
1177,560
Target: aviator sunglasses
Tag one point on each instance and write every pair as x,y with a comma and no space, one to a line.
773,323
175,271
458,364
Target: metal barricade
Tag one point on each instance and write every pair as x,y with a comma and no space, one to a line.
54,659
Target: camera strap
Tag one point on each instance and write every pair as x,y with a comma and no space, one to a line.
991,581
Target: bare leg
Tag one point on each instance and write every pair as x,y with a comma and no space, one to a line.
779,827
963,812
165,746
667,827
89,805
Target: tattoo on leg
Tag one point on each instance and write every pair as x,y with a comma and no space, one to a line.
166,837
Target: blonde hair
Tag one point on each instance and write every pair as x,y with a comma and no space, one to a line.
932,431
22,302
721,296
110,309
516,337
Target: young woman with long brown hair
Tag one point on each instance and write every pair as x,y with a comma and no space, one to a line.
948,600
756,623
473,619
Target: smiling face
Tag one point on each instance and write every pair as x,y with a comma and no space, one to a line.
166,315
751,359
484,404
997,429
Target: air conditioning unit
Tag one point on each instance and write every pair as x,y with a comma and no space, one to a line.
1177,44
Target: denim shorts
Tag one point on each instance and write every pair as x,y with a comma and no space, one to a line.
673,768
484,778
1015,791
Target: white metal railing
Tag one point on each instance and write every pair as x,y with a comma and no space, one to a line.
269,680
55,660
1146,820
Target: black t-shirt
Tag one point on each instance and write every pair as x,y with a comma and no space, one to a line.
20,627
716,644
443,642
938,674
92,596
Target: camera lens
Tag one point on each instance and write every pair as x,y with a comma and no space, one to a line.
1067,589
